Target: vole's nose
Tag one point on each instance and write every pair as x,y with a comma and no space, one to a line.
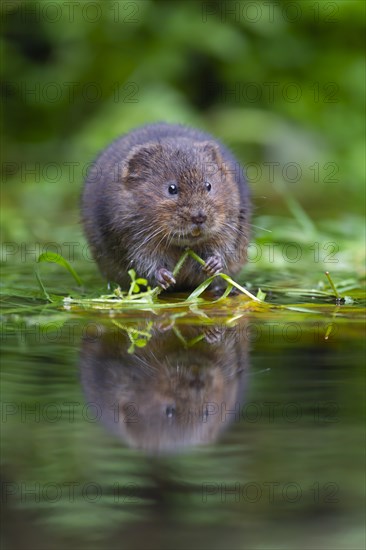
199,217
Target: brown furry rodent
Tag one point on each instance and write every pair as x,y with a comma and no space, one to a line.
160,189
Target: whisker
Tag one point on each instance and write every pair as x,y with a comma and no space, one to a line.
148,239
259,227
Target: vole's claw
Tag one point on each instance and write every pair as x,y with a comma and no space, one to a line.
213,335
164,278
213,265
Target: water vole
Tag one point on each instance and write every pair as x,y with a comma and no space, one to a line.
157,190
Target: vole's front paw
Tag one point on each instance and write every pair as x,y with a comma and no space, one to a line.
164,278
213,265
213,335
165,323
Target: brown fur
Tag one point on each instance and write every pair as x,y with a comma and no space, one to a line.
131,220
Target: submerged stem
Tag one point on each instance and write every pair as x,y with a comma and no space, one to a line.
327,274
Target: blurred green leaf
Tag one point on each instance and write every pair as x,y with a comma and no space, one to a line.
58,259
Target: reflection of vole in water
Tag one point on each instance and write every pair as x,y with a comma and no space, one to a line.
163,396
157,190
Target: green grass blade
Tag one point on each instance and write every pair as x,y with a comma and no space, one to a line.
201,288
60,260
47,296
239,287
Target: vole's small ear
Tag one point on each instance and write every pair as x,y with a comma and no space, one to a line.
140,158
215,162
212,151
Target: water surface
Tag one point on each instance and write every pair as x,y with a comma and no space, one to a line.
213,434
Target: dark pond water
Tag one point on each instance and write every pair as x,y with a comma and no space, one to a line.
213,434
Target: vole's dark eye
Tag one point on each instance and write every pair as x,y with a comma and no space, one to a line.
208,186
170,411
173,189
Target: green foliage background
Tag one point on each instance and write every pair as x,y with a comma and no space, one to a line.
276,81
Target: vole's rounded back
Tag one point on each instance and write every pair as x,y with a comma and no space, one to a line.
157,190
